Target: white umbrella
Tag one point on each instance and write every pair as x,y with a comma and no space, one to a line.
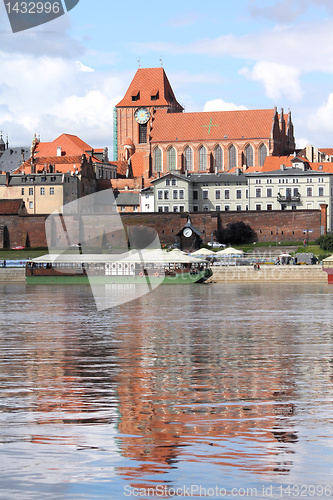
230,251
203,251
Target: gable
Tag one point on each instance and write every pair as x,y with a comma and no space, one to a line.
149,87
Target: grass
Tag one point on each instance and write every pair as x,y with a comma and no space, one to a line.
6,253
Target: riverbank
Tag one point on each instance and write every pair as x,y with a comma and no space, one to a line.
228,274
269,273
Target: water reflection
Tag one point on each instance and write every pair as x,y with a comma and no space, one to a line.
189,383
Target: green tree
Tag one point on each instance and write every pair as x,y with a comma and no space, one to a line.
237,233
325,242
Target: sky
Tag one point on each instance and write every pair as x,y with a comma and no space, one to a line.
66,76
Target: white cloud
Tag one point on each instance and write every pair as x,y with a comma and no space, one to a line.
285,11
280,81
220,105
50,96
81,67
50,39
307,46
321,122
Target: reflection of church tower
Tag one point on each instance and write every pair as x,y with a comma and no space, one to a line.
149,90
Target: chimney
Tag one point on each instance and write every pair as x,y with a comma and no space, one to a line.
282,166
58,150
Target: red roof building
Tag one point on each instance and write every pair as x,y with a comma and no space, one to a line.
154,134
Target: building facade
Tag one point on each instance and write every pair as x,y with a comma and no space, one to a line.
155,136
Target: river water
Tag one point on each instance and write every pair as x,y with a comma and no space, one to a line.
205,390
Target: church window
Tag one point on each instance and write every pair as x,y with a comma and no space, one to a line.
218,158
171,158
232,153
142,133
188,156
249,156
157,160
202,158
262,154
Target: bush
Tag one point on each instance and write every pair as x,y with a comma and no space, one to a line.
237,233
325,242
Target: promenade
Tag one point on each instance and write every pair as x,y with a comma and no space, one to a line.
269,273
228,274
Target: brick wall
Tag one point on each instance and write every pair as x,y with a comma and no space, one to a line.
23,230
269,226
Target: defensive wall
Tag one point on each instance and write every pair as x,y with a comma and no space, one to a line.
270,226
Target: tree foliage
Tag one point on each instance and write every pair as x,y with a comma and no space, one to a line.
325,242
237,233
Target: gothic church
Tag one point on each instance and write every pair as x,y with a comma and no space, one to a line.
154,135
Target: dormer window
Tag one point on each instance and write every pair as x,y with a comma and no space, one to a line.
136,95
155,95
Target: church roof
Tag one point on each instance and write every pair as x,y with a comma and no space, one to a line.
149,87
216,125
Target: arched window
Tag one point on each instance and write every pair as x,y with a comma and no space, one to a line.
249,156
232,154
188,157
218,158
262,154
202,158
171,159
157,159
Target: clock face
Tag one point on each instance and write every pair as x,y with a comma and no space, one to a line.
142,115
187,232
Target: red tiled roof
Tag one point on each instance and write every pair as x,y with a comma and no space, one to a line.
10,207
275,162
137,160
128,142
327,151
216,125
148,81
327,166
62,164
70,144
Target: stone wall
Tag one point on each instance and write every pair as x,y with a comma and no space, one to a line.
269,226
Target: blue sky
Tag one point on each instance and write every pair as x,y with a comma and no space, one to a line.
67,75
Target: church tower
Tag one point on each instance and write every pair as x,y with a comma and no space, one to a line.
134,115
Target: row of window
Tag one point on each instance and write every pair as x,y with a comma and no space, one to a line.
42,191
205,194
175,208
248,158
289,192
176,194
287,180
